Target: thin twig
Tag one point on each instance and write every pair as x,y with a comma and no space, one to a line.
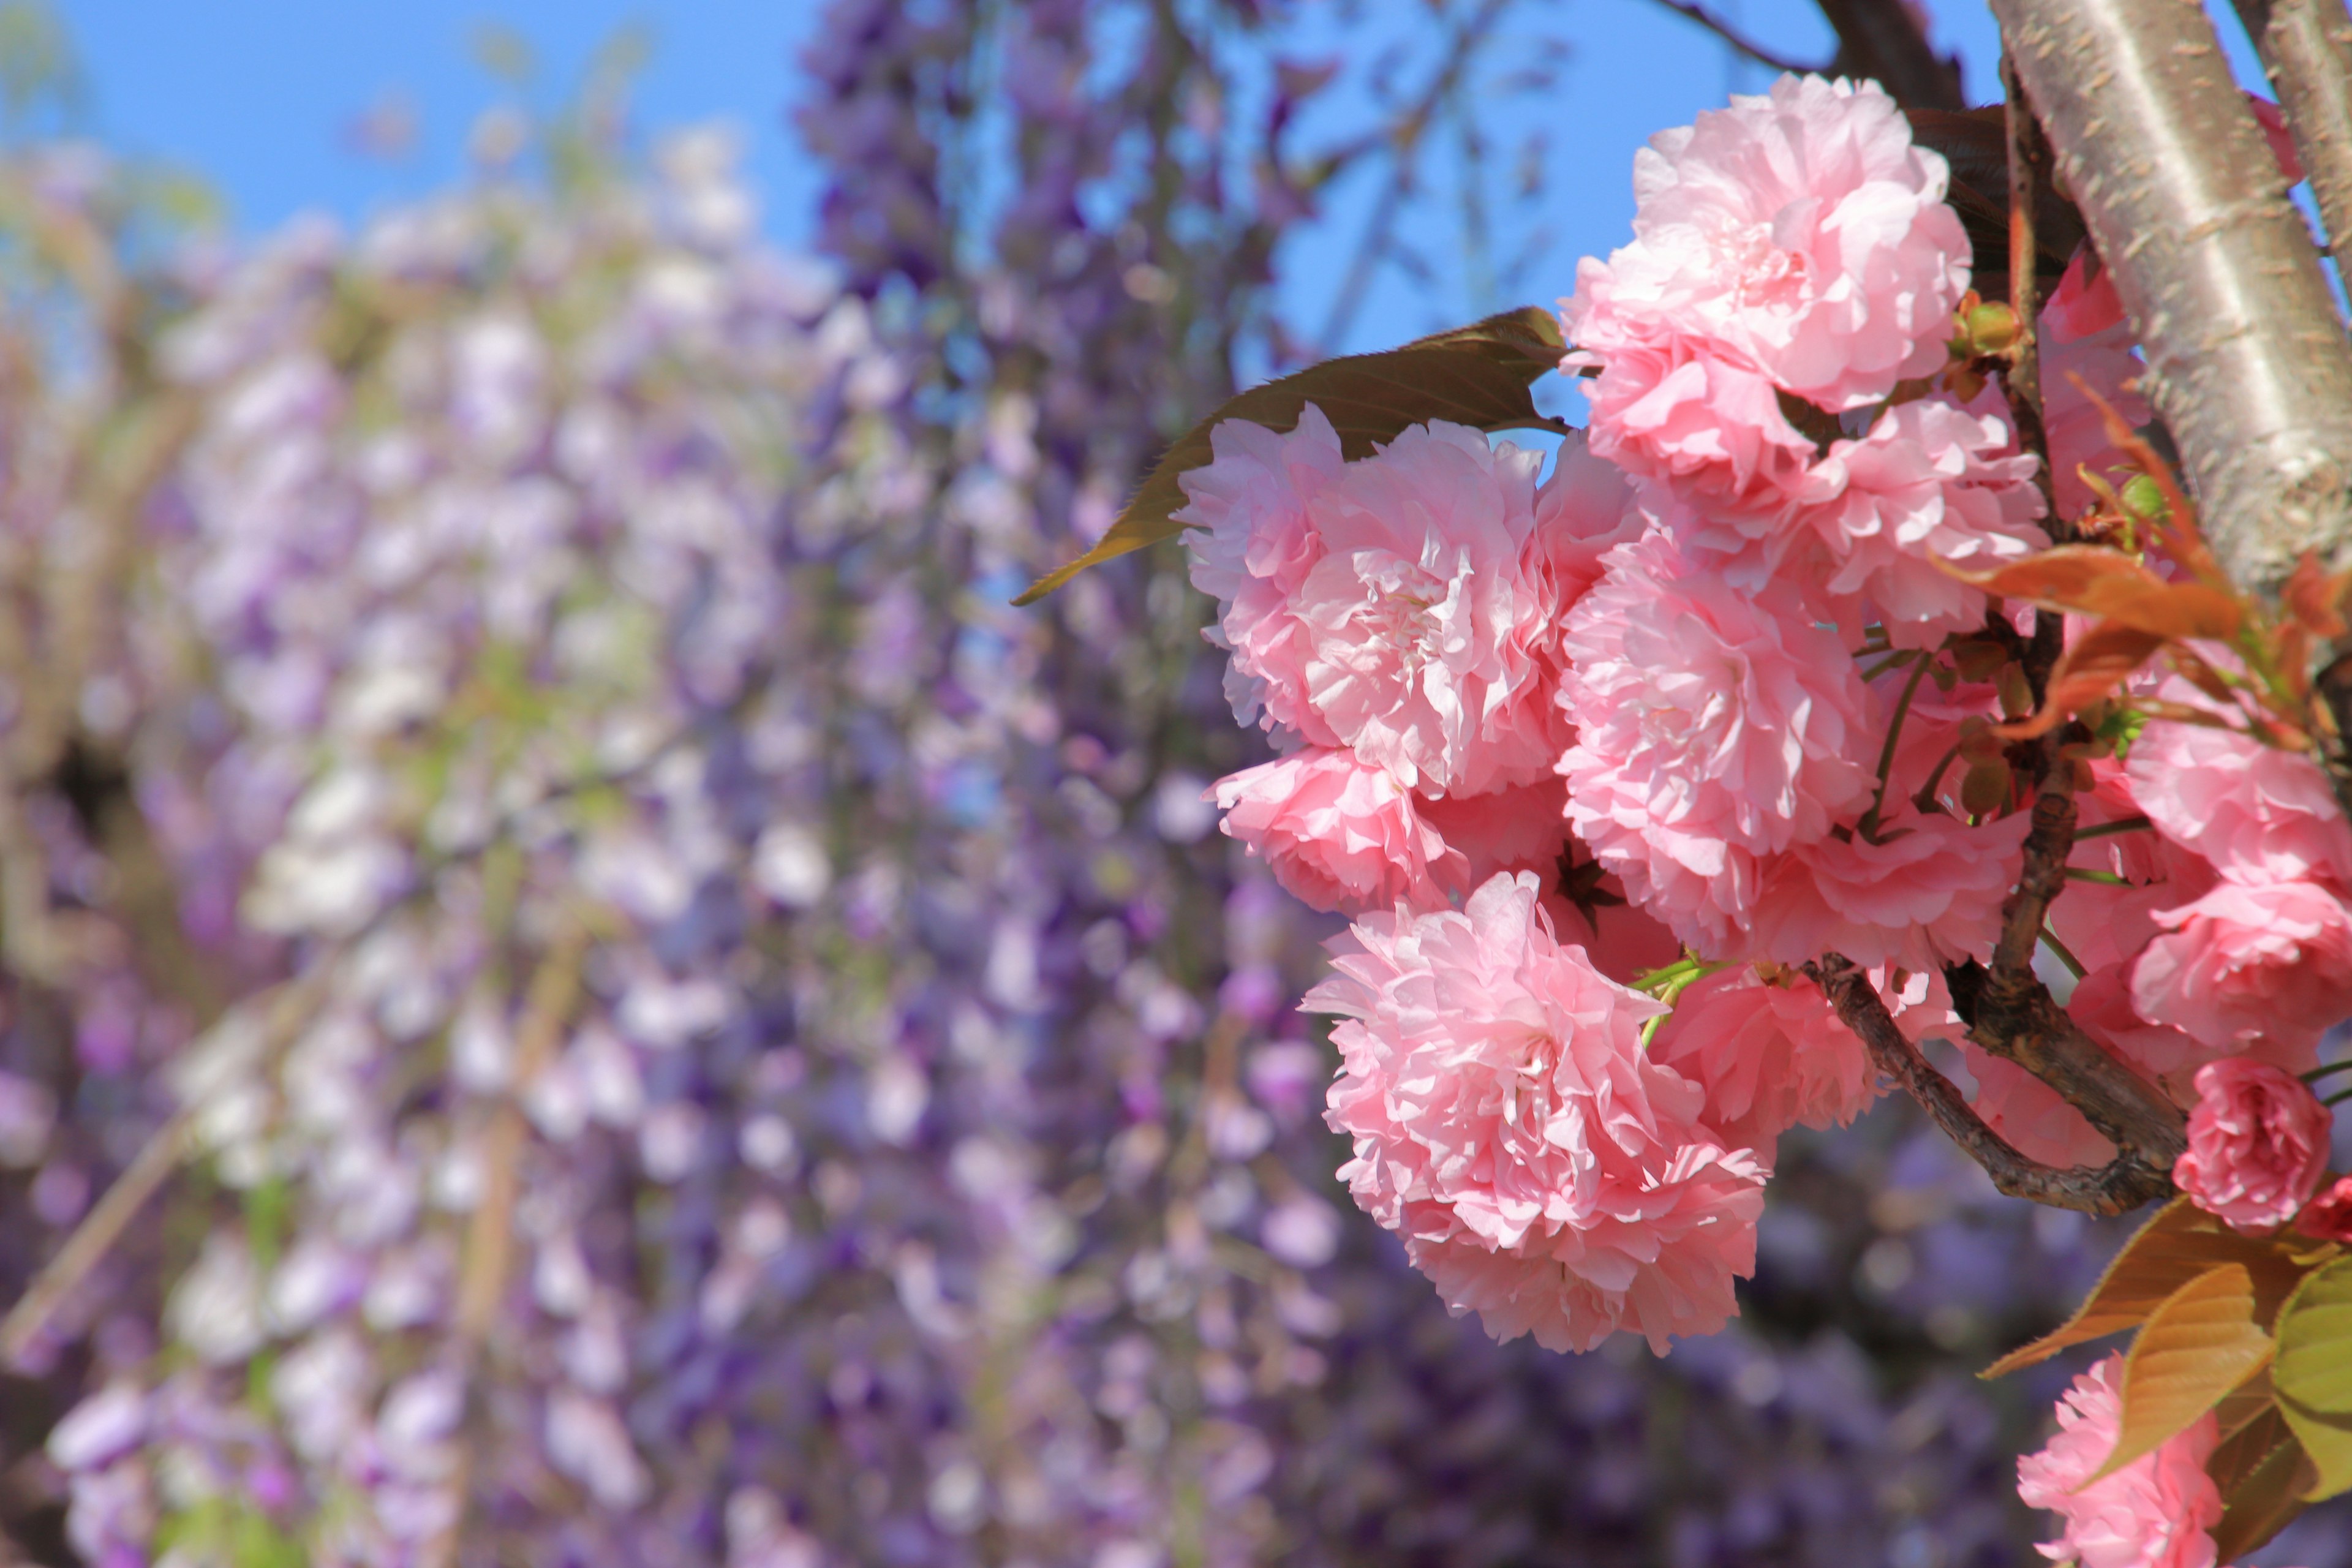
1690,10
489,1256
140,1181
2028,174
95,1236
2125,1183
2015,1017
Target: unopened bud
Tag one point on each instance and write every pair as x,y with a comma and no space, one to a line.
1991,328
1986,788
2016,692
2143,498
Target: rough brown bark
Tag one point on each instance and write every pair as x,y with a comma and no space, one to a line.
2124,1183
2306,49
2015,1017
2248,364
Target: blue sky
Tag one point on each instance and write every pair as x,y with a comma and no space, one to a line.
257,96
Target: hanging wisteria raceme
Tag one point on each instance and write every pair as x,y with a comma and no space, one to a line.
670,1025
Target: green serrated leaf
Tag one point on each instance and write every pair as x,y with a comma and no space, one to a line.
2197,1346
2314,1373
2174,1248
2328,1442
1478,376
2314,1339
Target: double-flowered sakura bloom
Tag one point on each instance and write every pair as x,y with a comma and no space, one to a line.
1715,727
2257,1144
1251,541
2264,968
2261,962
2155,1512
1772,1054
1929,484
1401,606
1800,234
2259,813
1541,1169
1401,614
1338,833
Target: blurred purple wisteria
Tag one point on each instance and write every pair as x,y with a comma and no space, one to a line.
579,988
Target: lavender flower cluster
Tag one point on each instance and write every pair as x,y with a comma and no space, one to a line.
681,1027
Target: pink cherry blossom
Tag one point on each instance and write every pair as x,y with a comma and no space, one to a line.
1250,539
2328,1216
1541,1169
2258,813
1583,509
2030,1115
1931,483
2077,374
2155,1512
1520,829
2264,970
2168,1057
1338,834
1678,414
1623,942
2257,1144
1415,636
1713,726
1802,232
2082,305
1927,893
2106,926
1769,1055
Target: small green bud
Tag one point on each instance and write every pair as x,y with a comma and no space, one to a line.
2143,498
2016,692
1991,328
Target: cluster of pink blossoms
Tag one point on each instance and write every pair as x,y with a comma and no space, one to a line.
1598,761
2155,1512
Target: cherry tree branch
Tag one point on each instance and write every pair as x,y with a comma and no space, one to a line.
1883,39
2306,49
2124,1183
1691,10
2014,1016
2248,364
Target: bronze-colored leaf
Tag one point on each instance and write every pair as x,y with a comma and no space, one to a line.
2262,1473
2172,1248
2091,580
2092,665
2200,1343
1478,376
2314,598
2249,1402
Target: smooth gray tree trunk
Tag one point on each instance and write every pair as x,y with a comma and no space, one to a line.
2249,365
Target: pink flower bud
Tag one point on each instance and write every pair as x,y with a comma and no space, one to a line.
2257,1144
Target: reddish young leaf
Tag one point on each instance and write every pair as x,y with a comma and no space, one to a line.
2092,581
2093,665
2314,598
